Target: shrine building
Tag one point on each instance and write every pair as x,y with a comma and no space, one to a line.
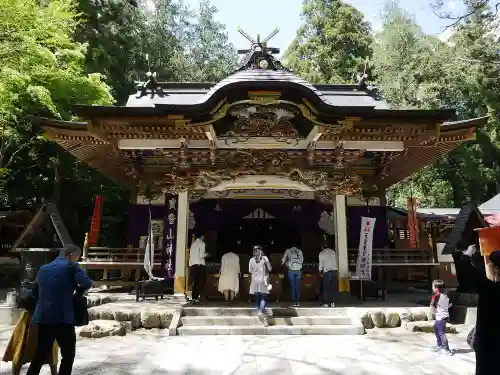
262,157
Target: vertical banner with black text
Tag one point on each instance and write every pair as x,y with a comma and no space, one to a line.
170,232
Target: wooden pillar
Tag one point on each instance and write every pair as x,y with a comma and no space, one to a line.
181,243
85,250
340,212
488,268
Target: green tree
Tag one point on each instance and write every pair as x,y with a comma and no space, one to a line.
114,32
420,71
332,44
208,53
41,73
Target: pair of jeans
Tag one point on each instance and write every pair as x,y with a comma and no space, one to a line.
65,336
440,331
330,287
294,277
261,301
198,276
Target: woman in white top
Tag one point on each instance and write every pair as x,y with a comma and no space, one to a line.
259,267
229,283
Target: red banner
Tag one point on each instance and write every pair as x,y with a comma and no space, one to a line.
414,235
489,240
95,226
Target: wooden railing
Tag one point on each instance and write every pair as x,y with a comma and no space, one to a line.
126,260
133,257
118,256
397,257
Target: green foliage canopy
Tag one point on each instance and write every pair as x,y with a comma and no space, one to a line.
332,44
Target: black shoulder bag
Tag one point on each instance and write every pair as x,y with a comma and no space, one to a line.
471,338
79,301
25,298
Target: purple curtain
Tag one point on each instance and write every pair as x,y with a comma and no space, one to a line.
214,214
138,221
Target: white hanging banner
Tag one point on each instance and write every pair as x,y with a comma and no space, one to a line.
149,251
364,264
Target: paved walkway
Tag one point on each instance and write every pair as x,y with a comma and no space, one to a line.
384,352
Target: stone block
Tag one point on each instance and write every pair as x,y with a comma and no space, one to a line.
366,320
174,323
419,314
165,319
426,326
9,314
102,328
150,319
128,326
135,318
121,316
378,318
392,319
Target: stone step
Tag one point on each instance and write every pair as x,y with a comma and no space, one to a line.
271,330
273,321
320,320
274,311
220,321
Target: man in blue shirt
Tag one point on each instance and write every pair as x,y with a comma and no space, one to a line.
54,313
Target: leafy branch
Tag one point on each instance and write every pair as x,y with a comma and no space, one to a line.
477,8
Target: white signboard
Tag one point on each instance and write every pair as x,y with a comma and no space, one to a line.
364,264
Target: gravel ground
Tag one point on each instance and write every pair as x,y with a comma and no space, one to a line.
384,352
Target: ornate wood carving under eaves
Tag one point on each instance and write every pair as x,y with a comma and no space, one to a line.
231,164
262,121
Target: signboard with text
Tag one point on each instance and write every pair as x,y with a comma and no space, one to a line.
364,263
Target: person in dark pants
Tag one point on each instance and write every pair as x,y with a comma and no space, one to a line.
440,306
328,271
487,335
294,258
54,313
197,255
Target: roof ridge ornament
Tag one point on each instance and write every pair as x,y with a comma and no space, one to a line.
364,85
151,85
260,56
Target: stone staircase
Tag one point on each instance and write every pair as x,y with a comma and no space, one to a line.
280,321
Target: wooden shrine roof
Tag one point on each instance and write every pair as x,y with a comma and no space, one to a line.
261,120
101,151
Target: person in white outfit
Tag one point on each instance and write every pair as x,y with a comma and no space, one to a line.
259,268
197,255
229,281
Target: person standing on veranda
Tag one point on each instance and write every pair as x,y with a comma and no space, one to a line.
259,268
293,258
328,270
229,282
197,256
54,314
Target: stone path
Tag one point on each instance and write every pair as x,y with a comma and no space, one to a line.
381,352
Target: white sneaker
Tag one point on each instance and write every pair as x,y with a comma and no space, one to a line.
326,305
447,352
332,304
